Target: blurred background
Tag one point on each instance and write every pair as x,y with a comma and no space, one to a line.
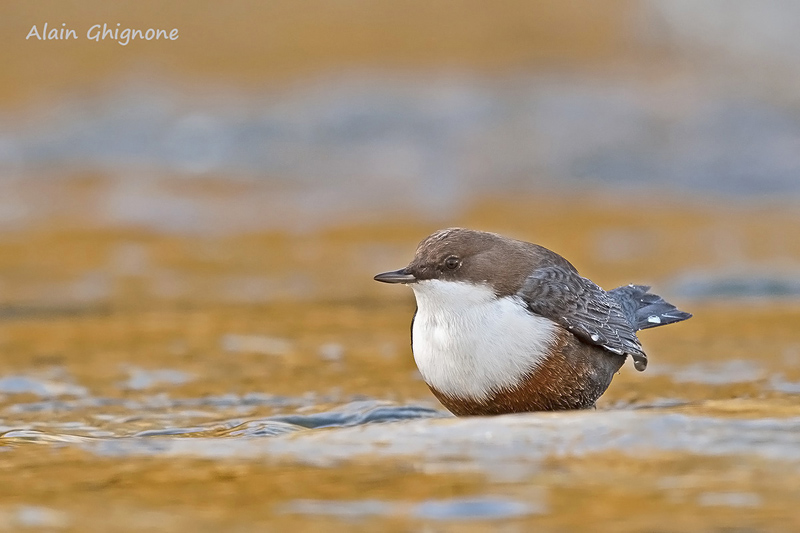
199,220
296,118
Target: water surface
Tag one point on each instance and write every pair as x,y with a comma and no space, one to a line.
300,406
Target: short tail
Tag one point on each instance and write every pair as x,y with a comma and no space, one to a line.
645,310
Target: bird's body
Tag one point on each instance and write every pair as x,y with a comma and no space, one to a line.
507,326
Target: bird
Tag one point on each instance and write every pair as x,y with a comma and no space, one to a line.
507,326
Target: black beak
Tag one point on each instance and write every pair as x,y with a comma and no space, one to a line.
396,276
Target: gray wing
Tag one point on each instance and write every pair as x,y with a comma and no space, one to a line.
586,310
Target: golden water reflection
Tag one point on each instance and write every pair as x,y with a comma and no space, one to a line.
112,340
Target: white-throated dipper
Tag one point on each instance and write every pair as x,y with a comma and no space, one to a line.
506,326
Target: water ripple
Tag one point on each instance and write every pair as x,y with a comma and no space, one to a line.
487,443
351,414
477,508
490,444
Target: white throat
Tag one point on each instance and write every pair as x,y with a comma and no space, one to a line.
469,343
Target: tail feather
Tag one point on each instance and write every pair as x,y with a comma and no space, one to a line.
646,310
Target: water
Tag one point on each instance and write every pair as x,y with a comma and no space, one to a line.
357,146
447,510
421,131
296,414
527,464
255,380
484,445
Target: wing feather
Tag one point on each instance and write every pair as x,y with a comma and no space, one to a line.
586,310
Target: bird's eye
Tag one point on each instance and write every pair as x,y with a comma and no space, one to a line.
452,262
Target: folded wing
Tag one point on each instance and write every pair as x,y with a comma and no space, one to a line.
586,310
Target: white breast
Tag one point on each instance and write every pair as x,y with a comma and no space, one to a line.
467,342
